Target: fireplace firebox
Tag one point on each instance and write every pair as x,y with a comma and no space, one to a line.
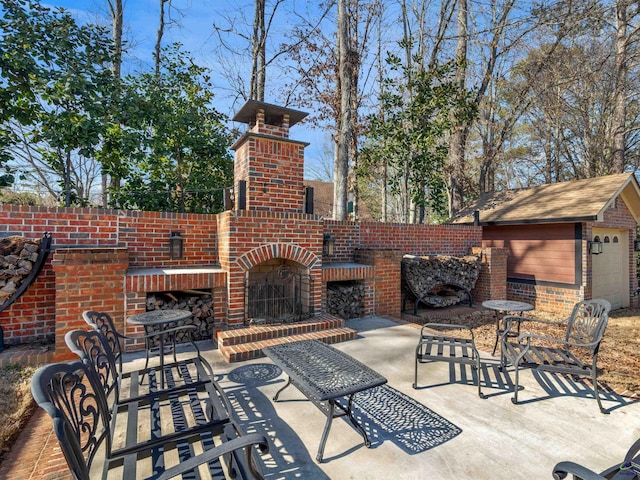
277,292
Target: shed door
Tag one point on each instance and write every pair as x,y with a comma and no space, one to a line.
611,268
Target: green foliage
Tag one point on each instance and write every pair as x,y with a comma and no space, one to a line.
417,111
157,136
176,142
54,85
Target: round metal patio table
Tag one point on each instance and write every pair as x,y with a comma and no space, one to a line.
154,323
505,306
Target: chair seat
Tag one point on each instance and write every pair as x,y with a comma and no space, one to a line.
446,349
434,346
548,358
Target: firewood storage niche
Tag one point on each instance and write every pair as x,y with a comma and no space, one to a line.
438,280
346,299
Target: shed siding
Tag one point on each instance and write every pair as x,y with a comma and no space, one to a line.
540,253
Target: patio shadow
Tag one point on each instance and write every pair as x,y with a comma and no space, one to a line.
387,414
288,458
562,385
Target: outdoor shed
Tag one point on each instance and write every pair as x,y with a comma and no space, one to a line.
566,241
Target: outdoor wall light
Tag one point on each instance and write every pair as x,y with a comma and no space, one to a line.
636,245
328,245
596,246
176,243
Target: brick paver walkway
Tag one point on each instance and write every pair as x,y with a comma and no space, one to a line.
35,455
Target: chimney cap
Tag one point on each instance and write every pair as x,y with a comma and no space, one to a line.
247,113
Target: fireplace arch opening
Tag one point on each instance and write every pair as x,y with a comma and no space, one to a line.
277,291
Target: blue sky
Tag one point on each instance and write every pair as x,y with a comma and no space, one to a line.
193,27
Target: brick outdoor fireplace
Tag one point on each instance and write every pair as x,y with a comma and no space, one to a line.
268,243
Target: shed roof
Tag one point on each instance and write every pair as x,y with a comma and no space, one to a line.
573,201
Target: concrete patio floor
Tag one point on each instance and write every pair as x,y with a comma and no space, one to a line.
442,430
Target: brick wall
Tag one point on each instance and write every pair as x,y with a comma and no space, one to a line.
492,281
456,240
145,235
386,283
87,278
233,242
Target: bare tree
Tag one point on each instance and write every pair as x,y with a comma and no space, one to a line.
457,144
255,47
345,132
159,34
624,40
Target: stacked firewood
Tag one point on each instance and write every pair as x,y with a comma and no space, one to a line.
17,258
200,303
346,299
440,280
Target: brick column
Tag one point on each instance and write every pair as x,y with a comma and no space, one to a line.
386,279
492,282
87,279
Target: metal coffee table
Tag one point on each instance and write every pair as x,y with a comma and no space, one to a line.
324,375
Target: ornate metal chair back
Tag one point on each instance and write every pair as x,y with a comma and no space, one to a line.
588,322
92,348
69,394
103,323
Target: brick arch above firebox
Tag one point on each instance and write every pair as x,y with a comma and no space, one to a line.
286,251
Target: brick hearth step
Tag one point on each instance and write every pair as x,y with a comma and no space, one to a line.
247,343
324,321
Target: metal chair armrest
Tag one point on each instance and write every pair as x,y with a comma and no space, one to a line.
243,442
563,469
632,452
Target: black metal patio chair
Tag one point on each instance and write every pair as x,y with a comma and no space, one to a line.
73,396
628,469
200,369
575,353
207,404
456,344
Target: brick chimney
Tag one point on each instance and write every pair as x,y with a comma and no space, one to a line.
269,166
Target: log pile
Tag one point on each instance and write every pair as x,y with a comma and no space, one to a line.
439,280
17,258
346,299
200,303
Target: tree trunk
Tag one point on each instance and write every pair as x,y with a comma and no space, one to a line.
258,52
458,140
116,10
117,13
67,180
620,105
345,73
159,35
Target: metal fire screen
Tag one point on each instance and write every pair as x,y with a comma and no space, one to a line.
280,295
